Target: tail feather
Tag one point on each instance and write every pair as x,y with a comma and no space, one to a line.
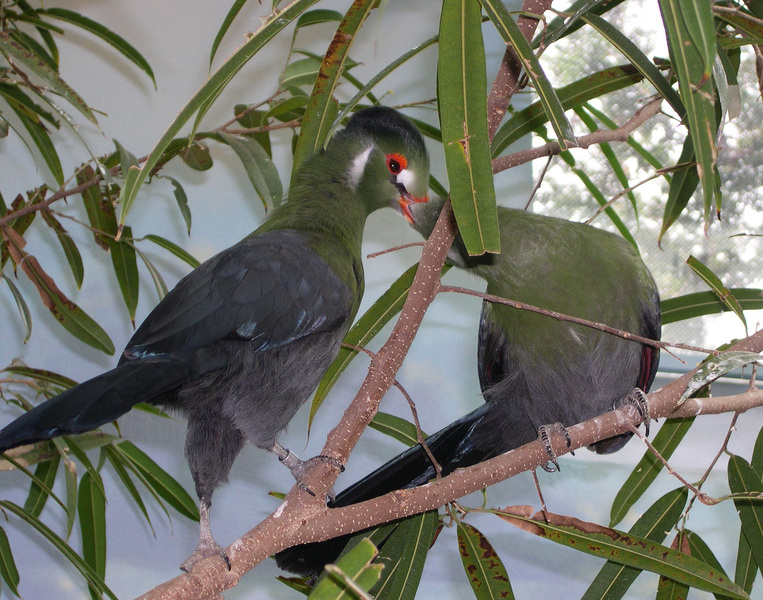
97,401
452,447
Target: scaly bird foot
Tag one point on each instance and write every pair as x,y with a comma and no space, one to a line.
205,550
299,468
544,436
207,545
639,400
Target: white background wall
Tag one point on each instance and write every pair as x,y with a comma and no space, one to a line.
440,373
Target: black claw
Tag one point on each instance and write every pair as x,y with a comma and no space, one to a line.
545,438
227,560
330,459
639,400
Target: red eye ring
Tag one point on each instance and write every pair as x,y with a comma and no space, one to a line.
396,163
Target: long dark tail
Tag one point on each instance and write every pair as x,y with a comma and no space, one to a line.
97,401
453,447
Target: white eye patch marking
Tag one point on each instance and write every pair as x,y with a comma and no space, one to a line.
407,178
358,166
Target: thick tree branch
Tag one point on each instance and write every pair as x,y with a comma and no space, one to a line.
597,137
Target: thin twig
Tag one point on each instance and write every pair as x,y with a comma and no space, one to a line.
394,249
597,137
562,317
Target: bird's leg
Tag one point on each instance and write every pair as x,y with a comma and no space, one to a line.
544,436
639,400
299,468
207,545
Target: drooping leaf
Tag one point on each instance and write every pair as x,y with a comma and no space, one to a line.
699,549
39,67
744,480
125,263
71,252
210,89
614,579
117,462
691,42
174,249
68,314
627,549
229,17
462,98
182,202
682,187
161,481
8,570
403,555
21,305
486,573
38,494
698,304
156,276
322,108
112,39
715,284
77,562
259,167
395,427
197,156
91,506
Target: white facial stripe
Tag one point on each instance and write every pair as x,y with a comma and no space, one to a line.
358,166
407,178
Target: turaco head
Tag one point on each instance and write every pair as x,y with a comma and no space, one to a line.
388,162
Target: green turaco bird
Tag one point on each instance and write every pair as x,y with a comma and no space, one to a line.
533,370
241,342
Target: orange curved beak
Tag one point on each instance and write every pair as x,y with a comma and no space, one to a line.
405,202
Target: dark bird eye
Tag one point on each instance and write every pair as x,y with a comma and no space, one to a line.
396,163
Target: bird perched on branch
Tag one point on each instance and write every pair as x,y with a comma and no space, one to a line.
241,342
533,369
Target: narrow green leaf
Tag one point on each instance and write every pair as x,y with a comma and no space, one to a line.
681,187
403,555
638,59
8,570
85,569
348,106
715,367
669,589
745,569
229,17
44,145
715,284
287,110
318,15
691,46
321,108
68,314
21,305
39,67
41,375
744,480
173,248
156,276
161,481
614,579
259,167
462,99
91,507
395,427
71,252
570,21
70,444
100,210
34,46
645,472
125,263
552,106
484,568
126,158
301,72
182,201
698,304
211,88
112,39
116,460
609,154
352,572
38,495
252,118
699,549
629,550
592,86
